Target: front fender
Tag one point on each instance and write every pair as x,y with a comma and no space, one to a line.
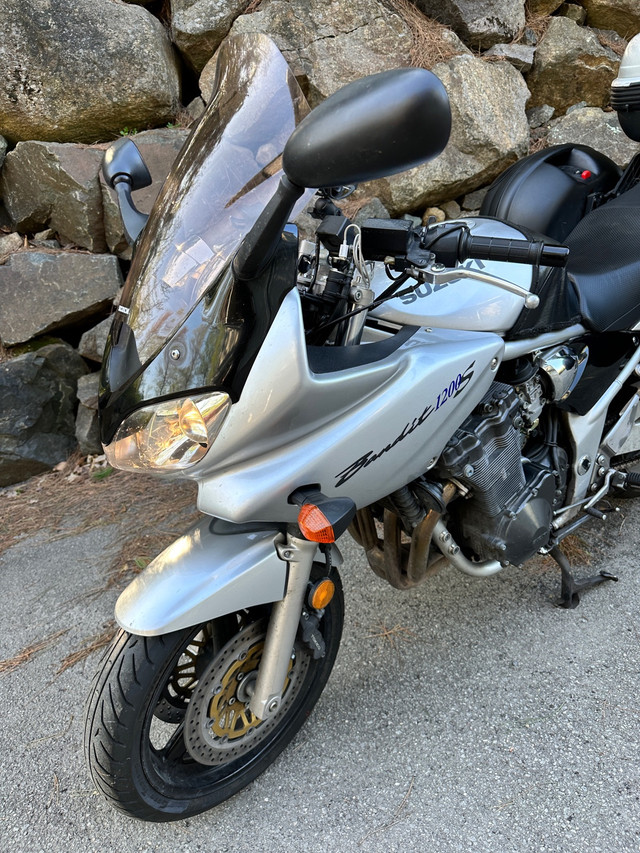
201,576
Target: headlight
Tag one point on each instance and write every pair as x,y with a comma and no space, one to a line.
168,436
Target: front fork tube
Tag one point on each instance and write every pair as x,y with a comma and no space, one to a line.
283,625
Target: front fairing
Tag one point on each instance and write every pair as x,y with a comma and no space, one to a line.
184,322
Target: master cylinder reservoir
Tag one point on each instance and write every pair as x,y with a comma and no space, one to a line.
625,90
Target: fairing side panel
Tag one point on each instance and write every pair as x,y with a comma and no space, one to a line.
360,432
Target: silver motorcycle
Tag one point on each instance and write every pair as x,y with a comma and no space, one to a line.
451,393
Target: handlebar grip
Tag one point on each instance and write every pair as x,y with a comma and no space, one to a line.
512,251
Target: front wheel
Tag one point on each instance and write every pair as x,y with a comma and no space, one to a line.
168,733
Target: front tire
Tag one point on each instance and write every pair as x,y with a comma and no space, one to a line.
137,713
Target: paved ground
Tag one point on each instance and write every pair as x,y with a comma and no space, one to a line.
494,721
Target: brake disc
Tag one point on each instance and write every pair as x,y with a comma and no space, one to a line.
219,726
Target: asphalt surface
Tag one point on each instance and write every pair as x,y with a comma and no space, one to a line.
483,719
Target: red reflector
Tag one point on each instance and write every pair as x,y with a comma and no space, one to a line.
585,175
314,524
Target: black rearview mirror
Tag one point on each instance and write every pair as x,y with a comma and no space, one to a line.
124,170
371,128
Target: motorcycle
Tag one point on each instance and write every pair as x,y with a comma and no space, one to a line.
457,393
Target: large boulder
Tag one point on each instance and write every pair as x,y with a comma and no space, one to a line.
592,126
571,66
481,23
330,44
198,27
159,149
37,403
489,132
56,185
45,291
83,70
623,16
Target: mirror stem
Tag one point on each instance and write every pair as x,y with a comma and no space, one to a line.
133,220
258,247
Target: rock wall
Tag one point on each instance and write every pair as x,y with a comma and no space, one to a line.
78,74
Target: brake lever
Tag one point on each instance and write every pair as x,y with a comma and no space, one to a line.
435,274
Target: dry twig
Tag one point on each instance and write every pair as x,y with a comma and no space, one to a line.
429,44
24,655
92,644
391,635
396,818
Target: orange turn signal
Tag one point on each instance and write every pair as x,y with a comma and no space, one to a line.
314,524
321,594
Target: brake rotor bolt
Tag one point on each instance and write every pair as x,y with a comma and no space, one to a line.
240,676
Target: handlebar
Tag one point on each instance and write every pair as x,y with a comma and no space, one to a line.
513,251
453,244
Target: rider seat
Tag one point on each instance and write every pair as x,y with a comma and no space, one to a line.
604,264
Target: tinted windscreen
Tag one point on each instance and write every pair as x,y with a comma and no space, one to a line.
224,177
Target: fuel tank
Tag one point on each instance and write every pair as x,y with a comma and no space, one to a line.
462,304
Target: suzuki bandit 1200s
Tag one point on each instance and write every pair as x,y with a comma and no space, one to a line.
457,393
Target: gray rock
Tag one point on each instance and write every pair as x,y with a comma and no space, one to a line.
593,126
195,108
571,65
328,45
37,402
87,430
3,149
529,37
87,390
573,11
481,23
54,184
539,116
94,340
99,66
373,209
198,27
451,209
159,149
10,243
623,16
43,291
519,55
490,131
473,201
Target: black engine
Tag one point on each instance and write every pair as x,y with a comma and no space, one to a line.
510,497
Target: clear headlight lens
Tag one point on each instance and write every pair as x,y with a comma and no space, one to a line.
168,436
